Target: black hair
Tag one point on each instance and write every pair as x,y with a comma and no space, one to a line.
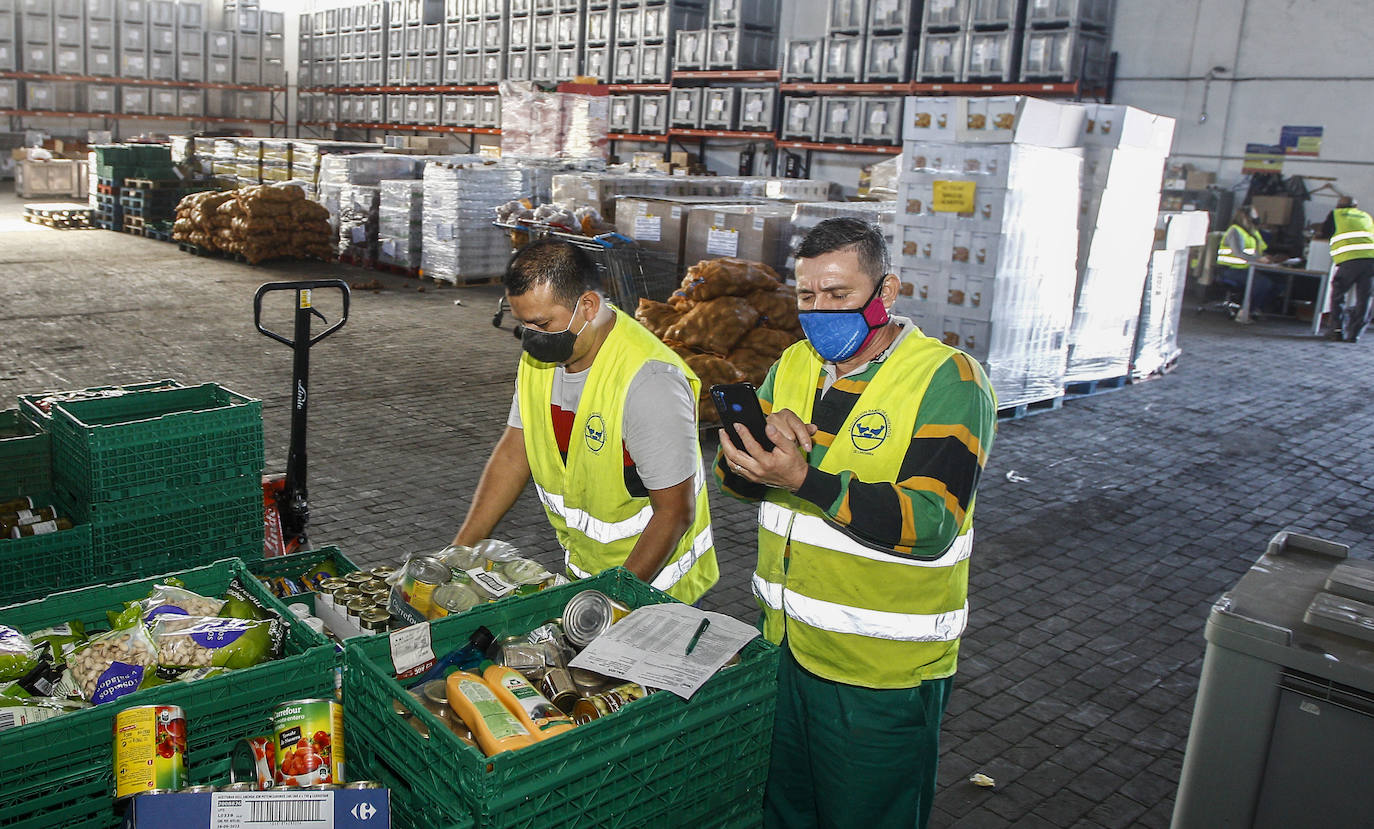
847,233
566,268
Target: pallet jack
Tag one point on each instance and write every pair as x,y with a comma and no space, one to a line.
286,507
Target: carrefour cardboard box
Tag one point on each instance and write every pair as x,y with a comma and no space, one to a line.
760,233
658,223
343,809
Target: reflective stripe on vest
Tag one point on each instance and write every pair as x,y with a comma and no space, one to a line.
1253,245
1354,237
607,532
672,572
881,624
810,529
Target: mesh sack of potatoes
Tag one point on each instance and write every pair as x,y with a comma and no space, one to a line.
656,316
711,278
778,309
711,370
758,350
714,326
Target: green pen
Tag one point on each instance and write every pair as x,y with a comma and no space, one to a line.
696,637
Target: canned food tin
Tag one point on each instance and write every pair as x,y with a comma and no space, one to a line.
421,577
452,598
344,595
374,621
590,614
607,702
461,559
357,607
309,744
149,749
558,686
239,787
254,760
588,709
363,784
420,727
382,572
321,787
299,609
328,588
380,595
589,682
358,577
197,789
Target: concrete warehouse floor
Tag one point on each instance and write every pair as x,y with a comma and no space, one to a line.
1105,530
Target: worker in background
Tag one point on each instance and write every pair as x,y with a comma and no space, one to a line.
1351,232
1241,247
605,419
865,531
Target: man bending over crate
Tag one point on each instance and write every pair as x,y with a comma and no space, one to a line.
865,520
605,421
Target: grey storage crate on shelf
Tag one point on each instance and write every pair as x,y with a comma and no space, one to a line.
191,103
568,30
395,70
685,107
760,14
542,33
1066,55
248,71
472,9
624,111
221,70
453,38
659,24
472,68
9,61
453,69
719,108
432,38
518,34
844,58
690,53
493,67
247,47
596,62
52,96
840,118
376,41
100,97
248,21
518,65
992,56
414,39
493,9
100,9
374,108
377,14
653,114
134,37
162,68
9,93
995,14
192,42
741,49
414,70
801,118
220,44
880,120
274,48
626,68
395,108
757,108
133,11
802,59
1095,14
162,12
431,70
542,67
162,39
600,28
940,57
626,22
493,35
489,111
448,108
192,16
429,110
134,100
66,31
943,14
133,64
1285,699
893,16
520,7
164,102
71,60
567,63
847,17
653,63
273,23
887,58
191,68
469,110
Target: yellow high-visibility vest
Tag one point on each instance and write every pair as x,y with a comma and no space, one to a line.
1354,236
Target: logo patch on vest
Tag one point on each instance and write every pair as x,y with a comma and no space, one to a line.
595,433
869,431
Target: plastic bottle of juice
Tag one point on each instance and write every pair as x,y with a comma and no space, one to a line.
541,717
495,728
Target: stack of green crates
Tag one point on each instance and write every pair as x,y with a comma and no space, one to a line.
153,161
166,478
38,564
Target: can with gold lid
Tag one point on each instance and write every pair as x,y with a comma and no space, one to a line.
382,572
357,607
358,577
375,621
423,574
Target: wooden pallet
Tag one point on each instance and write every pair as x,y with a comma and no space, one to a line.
133,224
1034,407
1087,388
152,184
59,215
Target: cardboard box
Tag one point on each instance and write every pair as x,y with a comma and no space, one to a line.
1273,210
930,119
1019,119
760,233
1198,179
344,809
1116,125
658,223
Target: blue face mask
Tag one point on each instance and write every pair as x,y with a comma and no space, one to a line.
840,334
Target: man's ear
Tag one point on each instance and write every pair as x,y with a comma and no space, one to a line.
891,286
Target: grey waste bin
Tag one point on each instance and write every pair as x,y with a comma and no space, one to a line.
1283,729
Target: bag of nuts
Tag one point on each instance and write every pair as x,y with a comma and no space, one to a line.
205,642
178,601
114,664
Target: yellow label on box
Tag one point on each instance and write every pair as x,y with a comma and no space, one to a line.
953,197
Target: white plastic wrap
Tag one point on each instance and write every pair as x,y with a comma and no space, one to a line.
459,242
357,240
400,218
542,124
998,280
1161,306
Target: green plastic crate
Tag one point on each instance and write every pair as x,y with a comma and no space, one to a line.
189,527
41,564
148,155
25,456
658,761
58,772
147,442
114,154
294,565
37,411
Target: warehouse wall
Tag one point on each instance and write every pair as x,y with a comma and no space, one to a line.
1286,62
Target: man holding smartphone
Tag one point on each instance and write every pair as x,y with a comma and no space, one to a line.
865,519
605,420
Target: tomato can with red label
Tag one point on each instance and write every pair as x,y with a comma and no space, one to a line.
254,760
149,749
308,740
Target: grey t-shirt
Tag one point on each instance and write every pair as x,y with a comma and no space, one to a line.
660,425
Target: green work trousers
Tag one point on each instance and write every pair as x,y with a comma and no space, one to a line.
848,756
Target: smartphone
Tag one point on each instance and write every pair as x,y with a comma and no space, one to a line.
739,403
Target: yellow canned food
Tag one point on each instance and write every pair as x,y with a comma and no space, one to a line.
149,749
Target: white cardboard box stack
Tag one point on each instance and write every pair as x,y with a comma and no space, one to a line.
1161,305
986,232
1124,151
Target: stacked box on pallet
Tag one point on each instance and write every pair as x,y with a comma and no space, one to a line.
357,240
1161,306
400,223
1124,151
711,771
459,244
339,170
166,478
987,205
248,161
276,160
57,771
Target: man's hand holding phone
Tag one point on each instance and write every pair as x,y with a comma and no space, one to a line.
784,463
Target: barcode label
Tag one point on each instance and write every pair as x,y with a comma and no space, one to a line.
287,810
7,720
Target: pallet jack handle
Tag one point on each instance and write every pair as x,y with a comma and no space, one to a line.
292,501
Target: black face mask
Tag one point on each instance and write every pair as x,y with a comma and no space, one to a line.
550,347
